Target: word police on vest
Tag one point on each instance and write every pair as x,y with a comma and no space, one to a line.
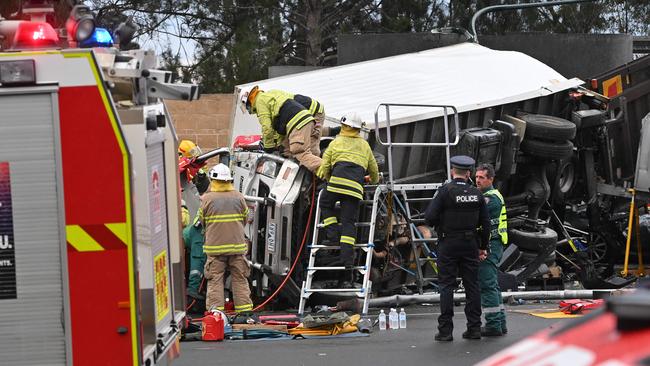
472,198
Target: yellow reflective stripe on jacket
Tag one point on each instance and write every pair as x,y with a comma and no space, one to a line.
299,120
316,107
347,239
349,148
345,191
224,218
225,248
503,218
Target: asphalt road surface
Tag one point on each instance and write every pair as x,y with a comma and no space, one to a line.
404,347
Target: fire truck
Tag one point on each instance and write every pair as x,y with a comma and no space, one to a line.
91,263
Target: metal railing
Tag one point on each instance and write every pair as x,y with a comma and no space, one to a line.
389,143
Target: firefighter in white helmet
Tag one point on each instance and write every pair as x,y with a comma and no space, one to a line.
345,163
223,213
288,120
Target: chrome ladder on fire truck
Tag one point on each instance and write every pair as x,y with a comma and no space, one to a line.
364,269
407,195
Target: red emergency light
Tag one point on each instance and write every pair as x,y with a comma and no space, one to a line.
31,35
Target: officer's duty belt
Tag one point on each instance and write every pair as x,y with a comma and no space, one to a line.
460,235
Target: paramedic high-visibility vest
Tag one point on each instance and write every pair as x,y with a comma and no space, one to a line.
502,229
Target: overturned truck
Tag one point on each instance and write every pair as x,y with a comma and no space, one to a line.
564,150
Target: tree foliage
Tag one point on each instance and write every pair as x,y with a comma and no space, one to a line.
235,41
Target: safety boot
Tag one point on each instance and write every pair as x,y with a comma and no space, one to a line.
491,332
472,334
440,337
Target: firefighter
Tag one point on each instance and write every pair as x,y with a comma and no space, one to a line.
491,302
189,150
345,163
457,210
280,115
223,213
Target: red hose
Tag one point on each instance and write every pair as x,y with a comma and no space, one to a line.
304,239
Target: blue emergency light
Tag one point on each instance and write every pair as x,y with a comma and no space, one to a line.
100,38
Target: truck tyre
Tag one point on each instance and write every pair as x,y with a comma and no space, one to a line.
533,241
549,128
548,150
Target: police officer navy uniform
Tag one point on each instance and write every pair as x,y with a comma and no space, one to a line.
457,210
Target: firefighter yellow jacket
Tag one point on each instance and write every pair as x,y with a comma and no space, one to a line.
345,163
223,213
267,107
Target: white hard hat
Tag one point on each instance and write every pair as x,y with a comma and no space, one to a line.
220,172
353,120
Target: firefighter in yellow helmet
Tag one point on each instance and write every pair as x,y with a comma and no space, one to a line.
223,214
189,150
284,116
345,163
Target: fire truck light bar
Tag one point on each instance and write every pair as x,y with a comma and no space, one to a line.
32,35
22,72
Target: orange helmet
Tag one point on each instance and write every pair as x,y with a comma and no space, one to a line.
248,98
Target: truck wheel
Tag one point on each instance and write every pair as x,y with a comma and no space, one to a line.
548,150
533,241
549,128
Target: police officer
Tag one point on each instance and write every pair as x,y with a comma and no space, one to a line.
457,210
495,316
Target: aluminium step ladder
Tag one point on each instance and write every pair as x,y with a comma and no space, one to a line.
366,286
419,244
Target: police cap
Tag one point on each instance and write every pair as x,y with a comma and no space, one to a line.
463,162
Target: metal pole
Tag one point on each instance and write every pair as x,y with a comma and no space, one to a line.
447,151
398,300
390,149
493,8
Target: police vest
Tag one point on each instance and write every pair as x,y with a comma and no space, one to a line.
502,228
462,205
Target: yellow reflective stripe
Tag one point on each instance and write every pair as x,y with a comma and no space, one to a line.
330,221
347,239
247,307
80,240
300,119
225,216
118,229
347,182
224,248
345,191
315,107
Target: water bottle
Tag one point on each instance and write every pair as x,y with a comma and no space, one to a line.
402,319
393,319
382,320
